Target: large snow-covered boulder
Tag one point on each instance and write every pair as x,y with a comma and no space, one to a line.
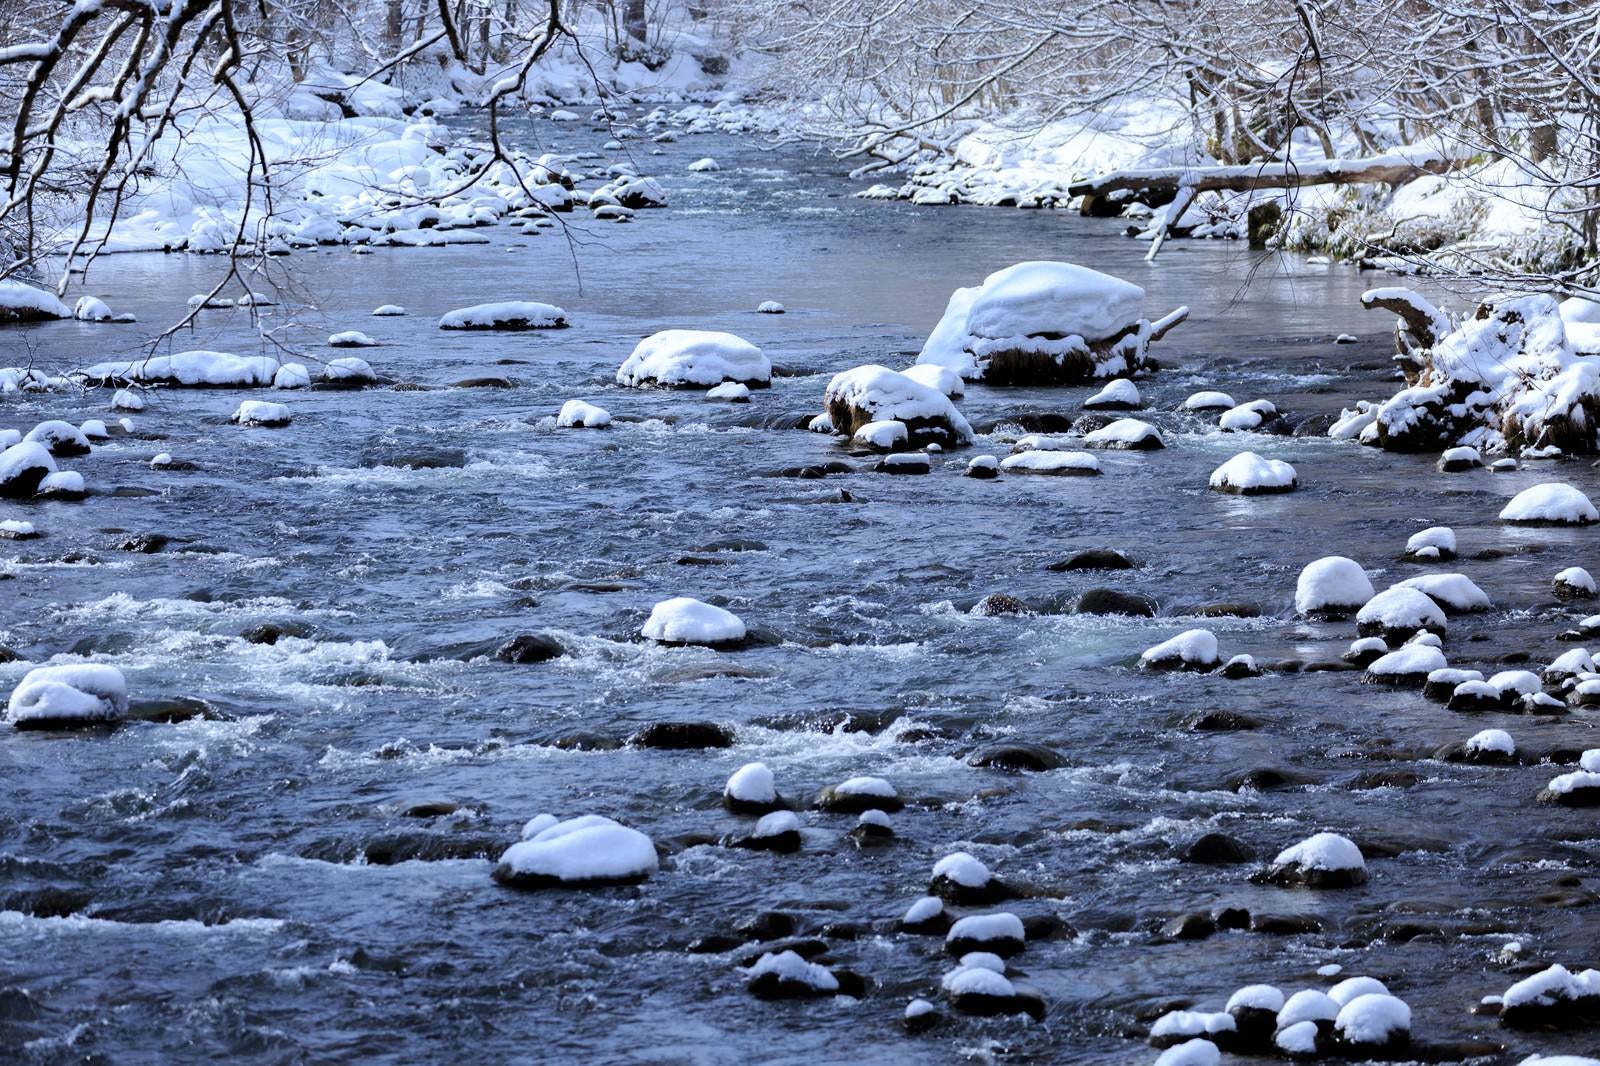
1248,474
511,315
577,414
866,394
64,439
1552,503
24,303
578,853
1396,613
1130,434
262,413
1324,860
197,369
1553,998
694,358
1194,649
65,697
23,467
685,620
1051,461
1333,586
1043,323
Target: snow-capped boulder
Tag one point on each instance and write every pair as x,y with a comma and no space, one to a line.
1309,1005
261,413
925,917
347,372
1325,860
964,880
1248,474
62,438
1569,665
578,853
857,794
1399,612
704,166
983,467
1454,593
92,309
1551,503
24,303
684,620
94,429
729,392
1044,323
1553,998
1254,1009
62,485
351,338
778,831
1364,651
1493,747
66,697
751,789
977,987
127,400
1374,1023
1432,545
388,311
1471,697
1051,462
514,315
692,358
1579,788
1574,583
576,414
16,529
1180,1026
769,307
1208,401
1125,433
1194,649
1000,934
1332,587
882,436
1247,417
1409,665
905,463
1459,460
197,369
23,467
786,975
871,393
1118,395
938,377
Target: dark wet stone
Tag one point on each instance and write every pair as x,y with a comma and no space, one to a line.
1215,849
420,846
805,947
8,655
872,835
1094,559
1111,601
1003,946
1265,779
938,925
1384,779
1046,927
1227,610
1285,924
832,800
484,383
997,604
430,809
978,473
1222,721
1086,424
715,944
131,492
1232,918
682,736
1239,670
1191,927
832,721
525,648
992,891
587,742
1577,797
1327,666
172,709
1515,658
767,925
736,545
923,1022
145,543
48,902
699,560
816,470
1024,1000
1035,758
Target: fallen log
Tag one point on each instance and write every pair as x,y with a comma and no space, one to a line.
1391,168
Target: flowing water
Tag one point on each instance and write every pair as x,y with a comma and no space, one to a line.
225,887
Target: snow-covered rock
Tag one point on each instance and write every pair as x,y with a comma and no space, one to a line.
1178,1026
1333,586
1579,788
1047,461
1247,416
62,697
777,831
786,975
24,303
1043,323
906,463
1408,665
769,307
1434,544
1308,1005
861,793
704,166
1574,583
23,467
1119,395
938,377
1194,649
1125,433
925,917
262,413
347,372
1374,1021
980,987
963,879
64,439
292,376
16,529
1196,1052
506,315
92,309
1554,998
874,393
729,392
1208,401
1000,934
691,358
1491,745
684,620
577,853
127,400
1398,612
62,485
884,436
388,311
983,467
1454,593
1248,474
751,789
351,338
576,414
192,369
1325,860
1551,502
1458,460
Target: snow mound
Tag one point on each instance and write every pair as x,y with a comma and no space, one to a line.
1307,1005
1324,860
769,307
684,358
1400,610
1407,664
1121,395
24,303
1551,502
1248,474
388,311
193,369
261,413
1040,298
1442,539
683,620
576,414
1125,433
576,853
506,315
1196,1052
704,166
884,436
1194,649
752,786
1208,401
730,392
1492,740
126,400
351,338
1455,593
1047,461
348,372
292,376
1247,416
1373,1018
938,377
78,694
1332,585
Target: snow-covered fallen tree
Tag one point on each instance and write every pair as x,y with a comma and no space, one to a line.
1519,372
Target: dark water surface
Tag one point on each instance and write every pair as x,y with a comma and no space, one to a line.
222,908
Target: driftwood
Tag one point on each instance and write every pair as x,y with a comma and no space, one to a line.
1170,180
